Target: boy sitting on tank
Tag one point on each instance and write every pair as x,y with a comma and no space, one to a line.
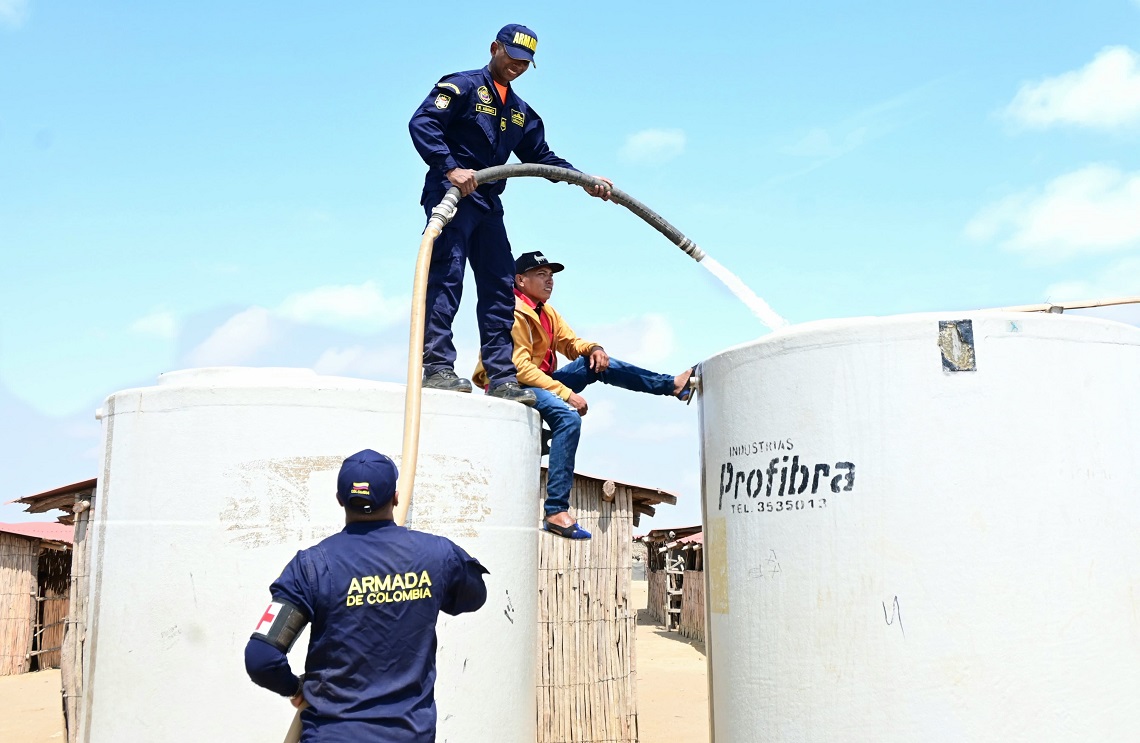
538,333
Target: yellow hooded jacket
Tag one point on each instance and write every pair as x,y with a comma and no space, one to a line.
532,344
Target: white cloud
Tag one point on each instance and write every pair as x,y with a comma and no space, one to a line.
819,143
158,324
1103,94
653,146
1119,279
357,307
1092,210
236,341
13,13
642,340
360,361
311,321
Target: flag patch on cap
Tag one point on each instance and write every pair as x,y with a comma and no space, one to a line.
360,488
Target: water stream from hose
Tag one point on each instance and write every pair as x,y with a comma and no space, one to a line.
759,307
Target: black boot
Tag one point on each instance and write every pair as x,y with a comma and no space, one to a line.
446,379
512,391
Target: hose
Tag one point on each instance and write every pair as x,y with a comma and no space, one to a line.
443,213
528,170
440,216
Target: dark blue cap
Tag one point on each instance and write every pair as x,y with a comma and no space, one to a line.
367,481
518,41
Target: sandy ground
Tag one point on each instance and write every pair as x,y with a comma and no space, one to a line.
671,690
32,708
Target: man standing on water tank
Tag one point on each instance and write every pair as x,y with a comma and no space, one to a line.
470,121
372,593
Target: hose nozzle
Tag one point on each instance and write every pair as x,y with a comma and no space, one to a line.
691,249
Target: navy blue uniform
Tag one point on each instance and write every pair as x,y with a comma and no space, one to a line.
463,124
372,593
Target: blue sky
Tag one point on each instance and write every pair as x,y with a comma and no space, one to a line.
218,183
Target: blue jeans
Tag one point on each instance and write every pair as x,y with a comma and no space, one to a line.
566,425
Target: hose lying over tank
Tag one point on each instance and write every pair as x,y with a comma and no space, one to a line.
440,216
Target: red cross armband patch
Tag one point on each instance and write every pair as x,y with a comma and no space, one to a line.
280,625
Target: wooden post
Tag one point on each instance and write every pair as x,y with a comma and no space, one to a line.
75,635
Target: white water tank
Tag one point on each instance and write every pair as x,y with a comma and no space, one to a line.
213,480
925,528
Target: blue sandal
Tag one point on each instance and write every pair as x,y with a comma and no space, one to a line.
568,532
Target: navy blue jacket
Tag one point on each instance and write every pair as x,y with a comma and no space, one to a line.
463,124
373,593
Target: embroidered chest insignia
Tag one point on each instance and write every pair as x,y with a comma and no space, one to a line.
517,117
442,101
484,94
503,124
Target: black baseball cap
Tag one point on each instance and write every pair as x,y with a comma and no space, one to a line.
534,259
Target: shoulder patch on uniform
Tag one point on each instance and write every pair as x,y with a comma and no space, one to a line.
442,101
449,86
484,94
517,117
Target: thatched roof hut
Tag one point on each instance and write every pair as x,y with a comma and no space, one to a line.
675,560
35,574
587,675
75,501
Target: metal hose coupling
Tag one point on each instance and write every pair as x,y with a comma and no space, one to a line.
445,210
691,249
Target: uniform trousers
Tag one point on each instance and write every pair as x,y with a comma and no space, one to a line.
479,236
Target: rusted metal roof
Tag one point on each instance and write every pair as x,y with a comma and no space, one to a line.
645,497
644,493
674,535
61,498
51,531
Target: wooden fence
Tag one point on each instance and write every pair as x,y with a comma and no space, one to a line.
587,624
657,590
19,566
692,624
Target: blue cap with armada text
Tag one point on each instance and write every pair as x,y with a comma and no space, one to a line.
518,41
367,481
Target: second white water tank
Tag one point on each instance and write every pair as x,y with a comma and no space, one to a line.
925,528
214,478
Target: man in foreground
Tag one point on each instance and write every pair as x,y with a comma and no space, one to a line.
470,121
373,593
538,332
